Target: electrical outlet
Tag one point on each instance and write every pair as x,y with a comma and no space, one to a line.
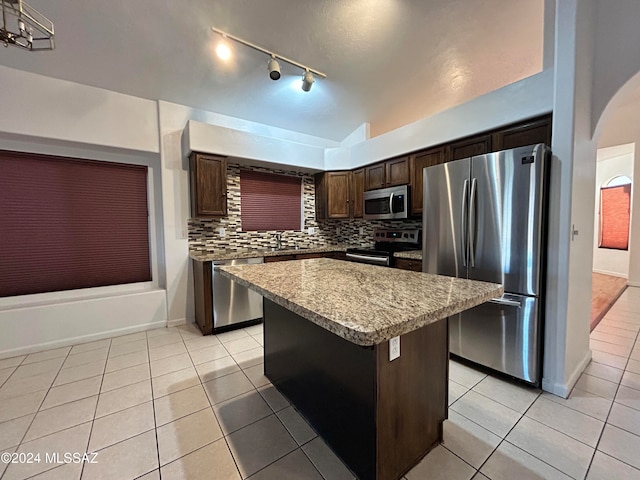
394,348
222,232
361,230
312,230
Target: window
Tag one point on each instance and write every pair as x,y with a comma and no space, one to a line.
67,224
615,211
269,201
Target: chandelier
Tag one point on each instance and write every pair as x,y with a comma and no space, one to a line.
25,27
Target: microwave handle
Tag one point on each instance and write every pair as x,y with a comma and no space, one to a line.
391,203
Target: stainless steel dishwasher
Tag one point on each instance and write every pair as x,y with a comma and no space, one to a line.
233,303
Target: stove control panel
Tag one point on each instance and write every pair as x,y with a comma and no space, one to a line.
392,236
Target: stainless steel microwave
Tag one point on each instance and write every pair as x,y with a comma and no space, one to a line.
387,203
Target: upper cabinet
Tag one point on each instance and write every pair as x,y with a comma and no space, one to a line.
387,174
417,163
208,185
357,189
528,133
333,194
470,147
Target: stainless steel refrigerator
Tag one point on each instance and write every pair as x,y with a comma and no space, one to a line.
484,219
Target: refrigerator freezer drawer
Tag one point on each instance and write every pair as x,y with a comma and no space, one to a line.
503,335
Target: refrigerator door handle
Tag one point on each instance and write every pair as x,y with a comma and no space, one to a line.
472,223
504,301
463,223
391,203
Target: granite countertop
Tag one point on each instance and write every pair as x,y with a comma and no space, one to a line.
364,304
411,254
255,252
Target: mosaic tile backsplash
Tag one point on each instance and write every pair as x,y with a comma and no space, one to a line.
204,235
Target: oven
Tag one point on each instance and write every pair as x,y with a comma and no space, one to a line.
386,203
387,242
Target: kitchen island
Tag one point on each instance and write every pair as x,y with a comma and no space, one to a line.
327,327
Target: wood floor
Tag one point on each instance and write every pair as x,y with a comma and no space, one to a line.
605,291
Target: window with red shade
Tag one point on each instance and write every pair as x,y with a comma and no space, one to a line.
68,223
269,201
615,212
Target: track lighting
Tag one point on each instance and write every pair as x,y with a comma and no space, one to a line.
223,50
34,30
273,65
307,81
274,68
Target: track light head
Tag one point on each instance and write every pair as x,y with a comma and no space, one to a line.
307,81
274,68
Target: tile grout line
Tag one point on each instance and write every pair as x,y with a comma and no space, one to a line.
95,410
153,406
613,401
38,411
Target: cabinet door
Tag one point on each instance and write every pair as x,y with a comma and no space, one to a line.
418,162
208,185
470,147
338,186
357,189
374,176
529,133
397,171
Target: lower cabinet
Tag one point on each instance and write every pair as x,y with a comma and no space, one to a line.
409,264
202,296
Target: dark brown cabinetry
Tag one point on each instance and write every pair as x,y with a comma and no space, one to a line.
470,147
537,130
357,189
387,174
331,187
208,185
417,163
409,264
333,194
374,176
202,296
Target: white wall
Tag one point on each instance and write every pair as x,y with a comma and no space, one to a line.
47,108
526,98
617,56
612,162
566,349
45,115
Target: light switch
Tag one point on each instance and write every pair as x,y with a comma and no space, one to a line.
394,348
361,230
222,232
312,230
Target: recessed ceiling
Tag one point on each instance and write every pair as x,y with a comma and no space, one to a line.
389,62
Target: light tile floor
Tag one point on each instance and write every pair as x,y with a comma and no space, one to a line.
172,404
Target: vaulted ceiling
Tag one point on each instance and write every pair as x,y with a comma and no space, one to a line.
388,62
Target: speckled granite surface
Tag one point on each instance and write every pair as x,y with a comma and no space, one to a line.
364,304
411,254
253,253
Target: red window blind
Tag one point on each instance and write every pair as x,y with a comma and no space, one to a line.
269,201
615,205
69,223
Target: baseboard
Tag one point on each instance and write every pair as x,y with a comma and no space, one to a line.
633,284
612,274
178,321
80,339
564,389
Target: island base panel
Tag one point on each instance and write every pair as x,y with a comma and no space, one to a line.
330,381
380,417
